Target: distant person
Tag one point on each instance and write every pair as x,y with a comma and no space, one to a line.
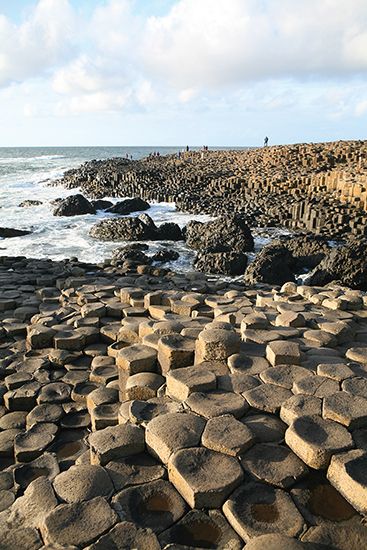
187,148
266,141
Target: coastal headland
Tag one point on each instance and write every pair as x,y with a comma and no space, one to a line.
150,409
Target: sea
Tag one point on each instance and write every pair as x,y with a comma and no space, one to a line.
29,172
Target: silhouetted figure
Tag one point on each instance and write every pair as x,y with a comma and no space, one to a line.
187,148
266,141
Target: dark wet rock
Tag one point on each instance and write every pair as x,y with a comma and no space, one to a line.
170,231
273,265
165,256
347,264
307,250
75,205
101,204
224,263
123,229
131,253
225,234
128,206
7,232
28,203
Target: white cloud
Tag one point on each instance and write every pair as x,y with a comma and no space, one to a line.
36,45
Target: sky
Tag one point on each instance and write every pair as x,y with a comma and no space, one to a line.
177,72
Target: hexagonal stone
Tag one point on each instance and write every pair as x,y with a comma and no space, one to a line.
155,505
318,501
275,541
104,415
334,535
142,412
143,385
204,529
31,443
315,440
274,464
79,523
175,352
204,478
56,392
355,386
126,535
83,482
290,319
348,473
227,435
358,354
71,340
216,345
284,375
37,501
217,403
185,381
13,420
281,352
137,358
300,405
246,364
267,428
40,336
22,399
24,537
170,432
335,371
115,442
134,470
45,465
349,410
46,412
319,386
237,383
256,509
267,397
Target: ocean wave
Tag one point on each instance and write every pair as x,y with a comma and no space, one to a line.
25,160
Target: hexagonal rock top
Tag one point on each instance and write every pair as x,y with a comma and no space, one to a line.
204,478
115,442
216,345
126,535
315,440
227,435
282,352
217,403
349,410
182,382
80,523
137,358
274,464
170,432
83,482
256,509
155,505
348,473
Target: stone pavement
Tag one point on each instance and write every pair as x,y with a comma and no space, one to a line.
125,423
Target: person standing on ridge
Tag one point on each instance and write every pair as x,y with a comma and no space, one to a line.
266,141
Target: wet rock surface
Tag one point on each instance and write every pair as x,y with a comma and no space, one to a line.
155,409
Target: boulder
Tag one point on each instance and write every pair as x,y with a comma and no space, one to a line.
224,263
128,206
170,231
75,205
166,255
307,250
125,229
347,264
225,234
101,204
273,265
7,232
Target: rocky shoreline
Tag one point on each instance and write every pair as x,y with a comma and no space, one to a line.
142,408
